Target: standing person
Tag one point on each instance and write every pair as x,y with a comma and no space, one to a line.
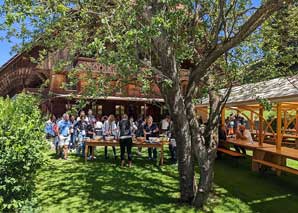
140,132
165,123
172,145
81,127
90,134
56,140
82,113
64,136
98,127
90,117
72,133
110,129
49,130
104,118
133,125
231,125
125,136
151,130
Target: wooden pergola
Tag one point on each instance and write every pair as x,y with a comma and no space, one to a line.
282,93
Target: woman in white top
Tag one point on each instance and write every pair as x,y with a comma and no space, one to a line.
110,129
98,127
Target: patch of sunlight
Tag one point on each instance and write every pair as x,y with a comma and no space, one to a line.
269,199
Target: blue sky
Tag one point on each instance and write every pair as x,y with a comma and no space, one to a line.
6,47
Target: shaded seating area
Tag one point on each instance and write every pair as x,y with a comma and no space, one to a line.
229,152
275,139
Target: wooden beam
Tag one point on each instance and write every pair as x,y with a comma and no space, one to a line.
285,121
261,110
251,121
223,115
278,131
296,141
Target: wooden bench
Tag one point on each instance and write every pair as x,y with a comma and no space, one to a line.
229,152
276,166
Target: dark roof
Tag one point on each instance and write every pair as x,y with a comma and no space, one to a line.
276,90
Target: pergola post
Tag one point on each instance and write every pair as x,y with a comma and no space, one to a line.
285,121
251,121
223,114
278,131
296,127
261,110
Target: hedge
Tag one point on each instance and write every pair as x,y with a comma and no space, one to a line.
22,148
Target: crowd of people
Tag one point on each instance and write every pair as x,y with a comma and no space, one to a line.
234,126
68,134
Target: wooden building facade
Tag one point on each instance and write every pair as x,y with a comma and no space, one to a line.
19,74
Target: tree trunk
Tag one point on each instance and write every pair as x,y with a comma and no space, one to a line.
183,140
205,149
185,162
206,167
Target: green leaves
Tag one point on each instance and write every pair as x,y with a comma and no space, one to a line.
22,147
265,103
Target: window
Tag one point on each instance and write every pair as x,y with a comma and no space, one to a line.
143,112
68,107
97,109
163,110
94,108
119,109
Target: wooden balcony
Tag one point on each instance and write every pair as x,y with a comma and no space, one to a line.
57,81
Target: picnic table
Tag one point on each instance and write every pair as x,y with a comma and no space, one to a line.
288,139
246,144
135,143
268,155
275,158
270,134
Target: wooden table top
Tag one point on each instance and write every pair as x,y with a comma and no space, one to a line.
102,142
284,151
274,134
247,144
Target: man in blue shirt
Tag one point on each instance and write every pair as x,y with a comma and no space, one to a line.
49,130
64,135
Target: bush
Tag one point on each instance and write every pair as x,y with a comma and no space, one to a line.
22,148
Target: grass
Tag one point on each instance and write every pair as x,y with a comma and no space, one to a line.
102,186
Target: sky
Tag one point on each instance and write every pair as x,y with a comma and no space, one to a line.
6,47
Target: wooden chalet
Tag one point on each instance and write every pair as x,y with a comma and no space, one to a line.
20,74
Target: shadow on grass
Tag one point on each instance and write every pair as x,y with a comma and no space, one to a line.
102,186
262,192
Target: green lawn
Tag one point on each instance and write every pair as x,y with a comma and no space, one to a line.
102,186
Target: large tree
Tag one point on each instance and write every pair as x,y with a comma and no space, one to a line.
162,36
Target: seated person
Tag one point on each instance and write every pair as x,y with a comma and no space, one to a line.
243,134
222,135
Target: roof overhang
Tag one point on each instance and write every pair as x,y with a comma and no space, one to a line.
110,98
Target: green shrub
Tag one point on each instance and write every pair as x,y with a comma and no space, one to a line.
22,148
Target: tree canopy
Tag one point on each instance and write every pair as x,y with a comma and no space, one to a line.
214,40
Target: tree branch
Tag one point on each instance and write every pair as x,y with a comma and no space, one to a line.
215,31
245,30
